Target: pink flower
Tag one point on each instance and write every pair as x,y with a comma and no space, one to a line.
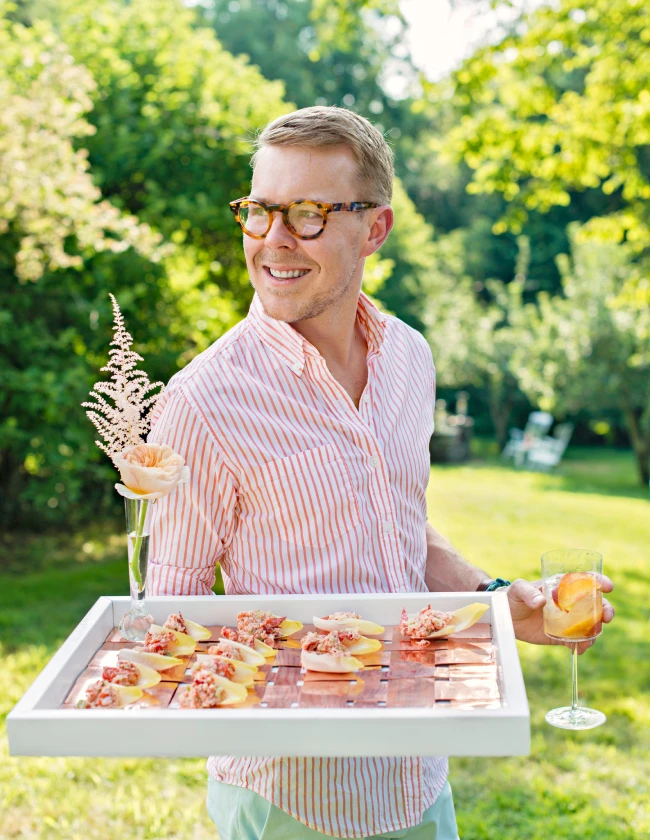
149,471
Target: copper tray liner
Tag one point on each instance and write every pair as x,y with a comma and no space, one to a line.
457,672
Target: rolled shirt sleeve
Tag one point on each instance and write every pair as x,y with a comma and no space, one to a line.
191,527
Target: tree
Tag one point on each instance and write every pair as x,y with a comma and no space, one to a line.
157,114
47,195
562,108
589,349
473,340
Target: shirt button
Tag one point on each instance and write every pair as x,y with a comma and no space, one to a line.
374,462
296,368
388,527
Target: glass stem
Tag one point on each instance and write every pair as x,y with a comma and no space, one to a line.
135,560
574,677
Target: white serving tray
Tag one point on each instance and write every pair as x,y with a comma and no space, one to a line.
37,726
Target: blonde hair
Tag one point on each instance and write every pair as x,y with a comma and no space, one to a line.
329,125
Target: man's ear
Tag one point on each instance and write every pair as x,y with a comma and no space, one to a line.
381,226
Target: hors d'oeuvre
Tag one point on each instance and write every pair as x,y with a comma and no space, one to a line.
169,642
265,627
358,644
248,640
131,673
232,649
177,622
103,694
238,672
261,630
348,621
434,624
327,652
157,661
209,690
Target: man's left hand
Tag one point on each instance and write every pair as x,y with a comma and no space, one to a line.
526,606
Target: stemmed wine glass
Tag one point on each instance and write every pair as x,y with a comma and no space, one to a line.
573,613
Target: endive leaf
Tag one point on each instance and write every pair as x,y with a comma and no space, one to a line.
152,660
290,627
466,616
244,674
359,624
252,657
313,661
363,646
266,650
183,646
197,631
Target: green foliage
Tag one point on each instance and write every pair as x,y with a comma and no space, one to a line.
590,349
473,339
562,107
325,53
46,193
166,141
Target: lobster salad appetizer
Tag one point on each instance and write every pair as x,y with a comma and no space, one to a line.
231,669
261,630
209,690
329,652
130,673
163,640
177,622
156,661
347,621
434,624
232,649
103,694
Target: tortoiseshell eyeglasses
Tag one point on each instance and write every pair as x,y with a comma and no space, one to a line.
305,219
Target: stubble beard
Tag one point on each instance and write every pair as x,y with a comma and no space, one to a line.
280,307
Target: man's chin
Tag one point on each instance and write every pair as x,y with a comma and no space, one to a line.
283,309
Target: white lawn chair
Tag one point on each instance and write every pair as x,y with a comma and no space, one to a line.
547,453
537,426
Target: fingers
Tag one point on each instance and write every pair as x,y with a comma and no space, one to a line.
527,592
608,611
606,584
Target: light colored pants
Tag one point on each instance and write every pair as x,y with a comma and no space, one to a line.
242,814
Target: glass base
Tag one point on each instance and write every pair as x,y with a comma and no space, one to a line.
134,626
580,718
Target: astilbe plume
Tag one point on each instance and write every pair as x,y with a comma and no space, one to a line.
125,423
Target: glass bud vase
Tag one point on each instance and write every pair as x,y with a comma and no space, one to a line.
136,622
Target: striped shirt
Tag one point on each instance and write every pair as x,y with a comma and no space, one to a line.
295,490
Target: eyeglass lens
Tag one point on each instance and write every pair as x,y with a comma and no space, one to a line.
306,219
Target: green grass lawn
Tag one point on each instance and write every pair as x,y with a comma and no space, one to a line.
585,786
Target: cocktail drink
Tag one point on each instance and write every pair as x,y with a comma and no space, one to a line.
574,606
571,582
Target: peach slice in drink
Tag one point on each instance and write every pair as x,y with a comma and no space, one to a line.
573,587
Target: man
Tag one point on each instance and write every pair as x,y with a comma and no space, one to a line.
306,430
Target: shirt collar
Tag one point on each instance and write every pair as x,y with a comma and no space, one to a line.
292,348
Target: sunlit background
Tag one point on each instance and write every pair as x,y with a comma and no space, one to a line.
521,133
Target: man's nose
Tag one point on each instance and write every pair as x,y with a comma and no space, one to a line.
278,236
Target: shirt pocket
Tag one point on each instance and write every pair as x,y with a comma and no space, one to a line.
307,498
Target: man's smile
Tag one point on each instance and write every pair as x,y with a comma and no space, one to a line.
284,275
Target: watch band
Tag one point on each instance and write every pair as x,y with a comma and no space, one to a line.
489,585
